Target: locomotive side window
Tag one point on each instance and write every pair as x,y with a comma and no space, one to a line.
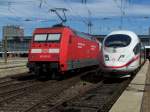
40,37
137,48
117,40
53,37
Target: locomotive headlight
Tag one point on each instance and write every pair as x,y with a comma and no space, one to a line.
106,58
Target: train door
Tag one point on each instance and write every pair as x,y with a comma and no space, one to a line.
147,48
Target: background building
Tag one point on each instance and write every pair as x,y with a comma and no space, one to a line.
17,44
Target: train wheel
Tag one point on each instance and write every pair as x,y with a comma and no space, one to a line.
99,72
37,71
30,71
53,76
56,76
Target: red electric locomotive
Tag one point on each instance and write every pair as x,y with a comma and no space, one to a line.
61,49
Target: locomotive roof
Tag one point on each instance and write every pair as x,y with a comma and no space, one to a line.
55,27
125,32
62,27
131,34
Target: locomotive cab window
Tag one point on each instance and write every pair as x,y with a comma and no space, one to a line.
118,40
40,37
53,37
137,49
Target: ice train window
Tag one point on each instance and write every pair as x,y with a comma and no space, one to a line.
137,49
40,37
118,40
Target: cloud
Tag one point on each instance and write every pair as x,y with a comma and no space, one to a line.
98,8
139,10
22,11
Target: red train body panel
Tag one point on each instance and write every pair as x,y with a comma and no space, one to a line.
62,49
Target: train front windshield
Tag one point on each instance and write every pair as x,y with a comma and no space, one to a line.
118,40
40,37
46,37
53,37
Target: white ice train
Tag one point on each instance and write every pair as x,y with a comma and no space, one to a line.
122,53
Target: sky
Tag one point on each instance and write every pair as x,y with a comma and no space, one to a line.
105,15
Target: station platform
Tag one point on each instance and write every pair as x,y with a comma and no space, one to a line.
15,62
13,67
136,97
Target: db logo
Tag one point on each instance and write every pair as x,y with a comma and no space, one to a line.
44,50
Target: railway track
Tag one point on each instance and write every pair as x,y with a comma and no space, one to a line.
5,79
18,80
30,96
98,99
20,89
54,100
37,96
16,66
9,79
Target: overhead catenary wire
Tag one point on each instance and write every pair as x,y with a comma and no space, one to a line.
83,19
11,4
89,18
22,20
78,17
42,2
28,2
122,8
